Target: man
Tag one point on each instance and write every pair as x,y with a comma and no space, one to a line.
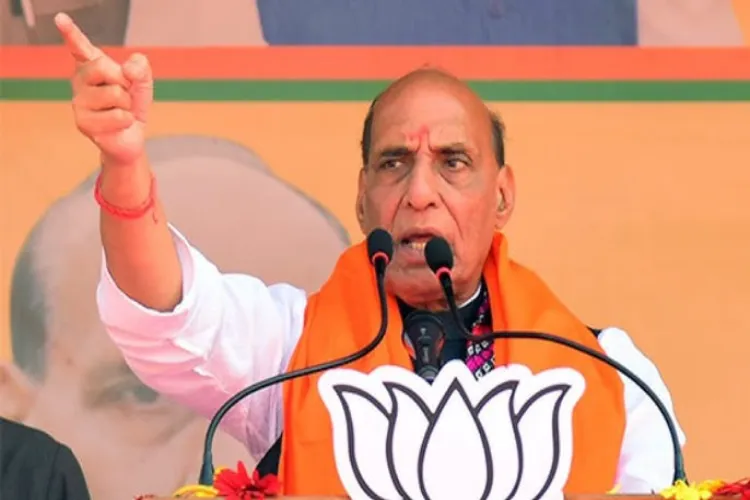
448,22
134,22
387,22
327,22
31,22
34,466
691,23
433,164
70,380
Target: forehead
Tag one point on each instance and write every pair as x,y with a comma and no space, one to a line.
445,112
70,289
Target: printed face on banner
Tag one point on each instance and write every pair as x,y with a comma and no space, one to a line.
505,436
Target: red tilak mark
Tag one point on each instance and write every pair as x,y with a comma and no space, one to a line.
421,135
422,138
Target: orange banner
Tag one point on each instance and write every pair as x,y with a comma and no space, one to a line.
365,63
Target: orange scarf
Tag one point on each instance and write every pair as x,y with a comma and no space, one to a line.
344,316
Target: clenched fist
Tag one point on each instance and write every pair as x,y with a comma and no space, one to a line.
110,101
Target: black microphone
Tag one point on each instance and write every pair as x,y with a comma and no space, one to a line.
380,252
439,257
424,336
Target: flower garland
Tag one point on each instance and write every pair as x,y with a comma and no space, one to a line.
231,485
239,485
706,490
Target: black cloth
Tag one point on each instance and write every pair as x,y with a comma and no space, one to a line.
34,466
455,342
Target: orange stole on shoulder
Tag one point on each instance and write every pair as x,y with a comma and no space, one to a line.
344,317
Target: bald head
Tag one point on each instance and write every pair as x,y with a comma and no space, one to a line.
423,80
431,76
248,221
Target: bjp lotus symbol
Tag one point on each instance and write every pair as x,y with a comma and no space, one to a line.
506,436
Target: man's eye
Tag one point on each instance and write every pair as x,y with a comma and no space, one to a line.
128,394
143,395
390,164
456,162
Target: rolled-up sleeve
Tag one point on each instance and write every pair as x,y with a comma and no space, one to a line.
228,332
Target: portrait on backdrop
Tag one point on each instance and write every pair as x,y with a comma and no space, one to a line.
68,378
388,22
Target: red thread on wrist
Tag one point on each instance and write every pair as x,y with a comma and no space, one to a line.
127,213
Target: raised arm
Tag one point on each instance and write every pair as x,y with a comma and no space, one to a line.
229,331
188,331
111,104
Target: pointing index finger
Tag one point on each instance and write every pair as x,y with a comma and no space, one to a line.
79,45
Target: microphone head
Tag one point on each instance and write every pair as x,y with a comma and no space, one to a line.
379,246
438,255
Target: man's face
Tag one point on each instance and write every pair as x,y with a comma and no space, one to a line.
129,439
432,171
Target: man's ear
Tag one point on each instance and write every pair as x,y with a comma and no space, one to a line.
17,392
359,206
506,196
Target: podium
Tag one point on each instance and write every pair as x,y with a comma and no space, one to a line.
511,420
568,497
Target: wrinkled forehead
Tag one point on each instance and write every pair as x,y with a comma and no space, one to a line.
433,113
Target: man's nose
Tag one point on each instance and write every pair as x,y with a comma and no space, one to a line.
421,191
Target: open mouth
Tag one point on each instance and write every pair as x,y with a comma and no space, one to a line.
416,241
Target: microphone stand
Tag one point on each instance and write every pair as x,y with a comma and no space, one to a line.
380,259
423,338
440,263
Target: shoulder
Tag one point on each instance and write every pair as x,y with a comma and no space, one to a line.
16,439
27,456
619,345
32,461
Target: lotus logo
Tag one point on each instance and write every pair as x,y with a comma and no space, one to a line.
507,435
